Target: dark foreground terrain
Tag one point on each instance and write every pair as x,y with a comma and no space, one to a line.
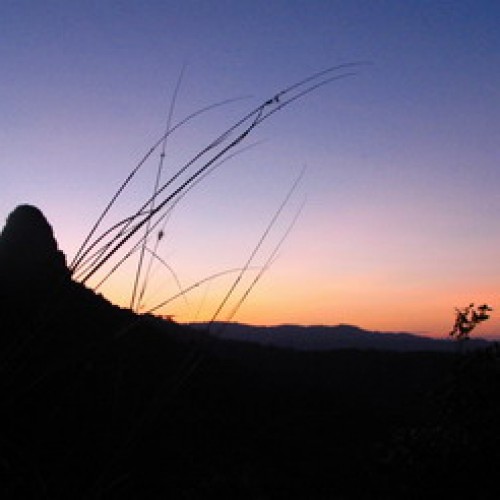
99,403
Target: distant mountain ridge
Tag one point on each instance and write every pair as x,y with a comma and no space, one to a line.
323,338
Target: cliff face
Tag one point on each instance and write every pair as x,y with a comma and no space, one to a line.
40,302
29,256
76,372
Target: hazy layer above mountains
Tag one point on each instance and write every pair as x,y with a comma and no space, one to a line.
321,338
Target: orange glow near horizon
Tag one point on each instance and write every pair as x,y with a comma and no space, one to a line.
414,311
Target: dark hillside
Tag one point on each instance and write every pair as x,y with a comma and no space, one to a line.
100,403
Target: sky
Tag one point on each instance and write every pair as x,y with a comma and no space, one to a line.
401,192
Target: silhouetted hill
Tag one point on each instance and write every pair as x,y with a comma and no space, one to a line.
320,338
100,403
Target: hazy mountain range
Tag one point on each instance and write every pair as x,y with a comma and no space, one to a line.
323,338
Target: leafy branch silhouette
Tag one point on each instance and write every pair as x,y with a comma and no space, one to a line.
467,319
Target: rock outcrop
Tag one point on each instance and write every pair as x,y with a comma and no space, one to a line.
29,256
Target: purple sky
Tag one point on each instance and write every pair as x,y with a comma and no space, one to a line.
403,179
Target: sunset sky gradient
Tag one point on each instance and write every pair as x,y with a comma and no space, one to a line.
402,188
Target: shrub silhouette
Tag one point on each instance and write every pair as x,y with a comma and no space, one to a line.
467,319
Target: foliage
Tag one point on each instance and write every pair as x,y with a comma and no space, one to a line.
467,319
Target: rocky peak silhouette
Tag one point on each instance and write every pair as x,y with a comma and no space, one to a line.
29,254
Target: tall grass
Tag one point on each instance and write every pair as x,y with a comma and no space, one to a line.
116,244
109,245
